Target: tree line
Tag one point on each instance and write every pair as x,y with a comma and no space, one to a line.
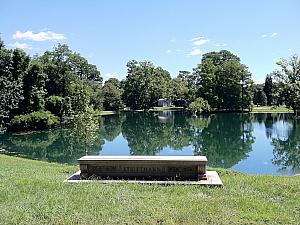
54,88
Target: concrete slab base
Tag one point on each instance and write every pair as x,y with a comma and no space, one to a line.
213,179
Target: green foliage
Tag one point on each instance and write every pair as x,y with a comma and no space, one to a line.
288,83
70,75
260,97
60,80
180,89
191,80
34,90
199,105
85,128
13,65
112,94
54,104
34,121
269,89
223,81
145,84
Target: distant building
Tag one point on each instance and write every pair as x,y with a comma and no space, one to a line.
163,102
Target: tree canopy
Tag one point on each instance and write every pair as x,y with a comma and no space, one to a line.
223,81
287,80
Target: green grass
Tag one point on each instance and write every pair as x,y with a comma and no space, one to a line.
172,108
270,109
105,113
33,192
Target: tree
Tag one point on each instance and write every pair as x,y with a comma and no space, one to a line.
10,82
34,88
288,82
199,105
223,81
70,75
180,90
191,80
260,97
112,95
145,84
268,89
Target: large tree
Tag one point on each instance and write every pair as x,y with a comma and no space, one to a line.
112,94
223,81
69,75
145,84
13,65
287,80
190,79
259,97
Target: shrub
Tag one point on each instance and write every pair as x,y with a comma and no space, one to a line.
199,105
34,121
54,104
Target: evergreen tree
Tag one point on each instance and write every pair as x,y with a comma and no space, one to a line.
268,89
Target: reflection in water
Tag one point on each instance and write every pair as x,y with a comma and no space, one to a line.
54,146
228,140
287,147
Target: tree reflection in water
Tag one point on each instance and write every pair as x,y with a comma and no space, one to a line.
286,143
225,138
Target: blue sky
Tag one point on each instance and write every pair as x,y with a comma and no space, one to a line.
172,34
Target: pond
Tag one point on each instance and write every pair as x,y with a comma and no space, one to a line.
251,143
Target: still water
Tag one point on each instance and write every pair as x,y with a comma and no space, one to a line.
251,143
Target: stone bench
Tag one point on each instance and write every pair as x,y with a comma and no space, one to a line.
143,167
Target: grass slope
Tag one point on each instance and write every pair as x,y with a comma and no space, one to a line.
33,192
270,109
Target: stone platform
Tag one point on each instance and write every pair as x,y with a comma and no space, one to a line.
145,169
213,179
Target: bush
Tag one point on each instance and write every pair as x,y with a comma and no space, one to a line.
39,120
54,104
199,105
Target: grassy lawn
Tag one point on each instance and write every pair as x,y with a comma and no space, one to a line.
104,113
267,109
33,192
159,109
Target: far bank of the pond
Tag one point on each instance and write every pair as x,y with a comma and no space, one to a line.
33,192
256,109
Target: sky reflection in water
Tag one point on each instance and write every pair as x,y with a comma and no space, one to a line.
251,143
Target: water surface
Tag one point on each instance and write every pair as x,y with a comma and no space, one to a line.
252,143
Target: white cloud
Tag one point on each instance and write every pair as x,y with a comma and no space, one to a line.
274,34
169,51
199,41
110,75
195,51
20,45
271,35
41,36
172,40
220,45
